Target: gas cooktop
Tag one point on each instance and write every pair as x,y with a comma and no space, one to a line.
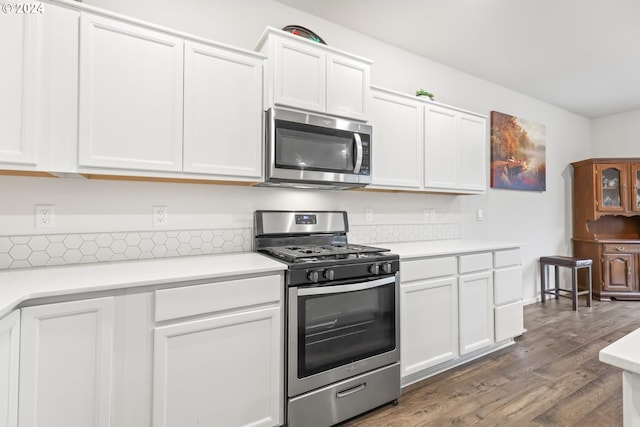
311,253
314,246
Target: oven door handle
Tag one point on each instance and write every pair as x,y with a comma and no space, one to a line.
356,137
324,290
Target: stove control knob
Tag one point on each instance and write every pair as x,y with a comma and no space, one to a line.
329,274
314,276
386,267
374,269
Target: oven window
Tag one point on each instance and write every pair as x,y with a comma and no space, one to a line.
337,329
313,148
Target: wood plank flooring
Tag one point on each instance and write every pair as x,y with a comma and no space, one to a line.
550,377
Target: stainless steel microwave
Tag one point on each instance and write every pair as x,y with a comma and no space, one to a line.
311,151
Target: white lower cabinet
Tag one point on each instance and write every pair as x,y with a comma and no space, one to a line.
9,366
218,358
219,371
66,364
180,356
507,294
476,311
429,321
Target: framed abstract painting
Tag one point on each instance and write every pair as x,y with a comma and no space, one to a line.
517,153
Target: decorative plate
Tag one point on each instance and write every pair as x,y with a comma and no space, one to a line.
303,32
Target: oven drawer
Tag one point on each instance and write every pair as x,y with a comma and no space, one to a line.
211,297
427,268
341,401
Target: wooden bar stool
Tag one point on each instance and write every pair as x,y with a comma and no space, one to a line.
570,262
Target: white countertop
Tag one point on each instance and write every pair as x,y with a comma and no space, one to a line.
17,286
408,250
624,353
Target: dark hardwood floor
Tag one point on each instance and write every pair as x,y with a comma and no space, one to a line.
550,377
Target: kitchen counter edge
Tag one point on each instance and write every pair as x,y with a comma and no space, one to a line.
20,285
423,249
623,353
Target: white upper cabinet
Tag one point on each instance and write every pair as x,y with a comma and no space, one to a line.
222,112
455,150
131,92
398,140
347,86
315,77
425,146
299,75
19,119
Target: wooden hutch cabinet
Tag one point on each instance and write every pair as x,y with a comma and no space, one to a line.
606,224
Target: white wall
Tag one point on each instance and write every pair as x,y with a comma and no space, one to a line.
539,220
616,135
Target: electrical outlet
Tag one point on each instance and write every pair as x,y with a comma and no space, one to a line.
160,216
45,216
368,215
432,214
425,215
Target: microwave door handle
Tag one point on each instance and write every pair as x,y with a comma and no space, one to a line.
356,137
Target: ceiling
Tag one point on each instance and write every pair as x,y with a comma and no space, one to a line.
581,55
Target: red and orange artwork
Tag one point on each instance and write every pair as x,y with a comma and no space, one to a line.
517,153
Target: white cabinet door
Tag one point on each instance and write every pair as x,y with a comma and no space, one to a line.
131,95
347,87
455,151
310,76
300,75
19,120
66,364
397,140
61,39
440,147
220,371
429,323
472,158
222,113
9,369
476,311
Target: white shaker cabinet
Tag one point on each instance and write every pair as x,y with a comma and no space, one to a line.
9,369
429,313
131,94
222,112
20,147
225,367
425,146
219,371
311,76
508,294
66,364
475,301
455,150
347,86
398,141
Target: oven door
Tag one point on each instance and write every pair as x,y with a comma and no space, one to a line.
315,149
341,330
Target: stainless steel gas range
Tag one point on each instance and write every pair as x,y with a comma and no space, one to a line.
342,346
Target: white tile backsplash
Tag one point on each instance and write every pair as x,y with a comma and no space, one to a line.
60,249
79,248
389,233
